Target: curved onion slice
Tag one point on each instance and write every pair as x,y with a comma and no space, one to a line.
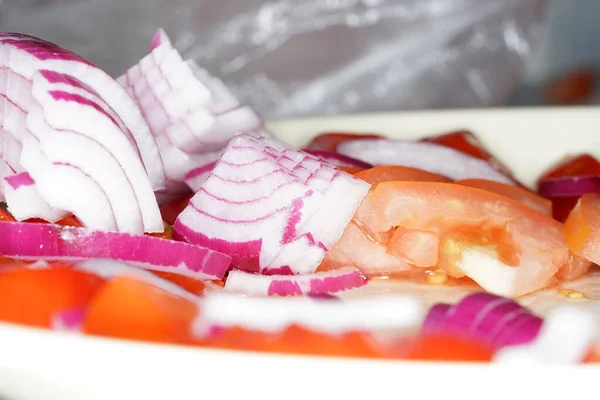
337,159
25,55
427,156
24,200
569,186
286,285
274,315
264,204
491,319
33,241
190,110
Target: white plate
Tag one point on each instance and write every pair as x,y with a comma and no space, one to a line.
38,365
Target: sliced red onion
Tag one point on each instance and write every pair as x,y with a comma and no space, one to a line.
70,320
569,186
323,297
25,202
430,157
372,313
193,112
285,285
491,319
566,337
24,55
32,241
337,159
264,203
196,177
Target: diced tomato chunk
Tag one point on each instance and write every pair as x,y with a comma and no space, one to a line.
132,309
32,296
582,228
389,173
6,216
171,209
192,285
331,140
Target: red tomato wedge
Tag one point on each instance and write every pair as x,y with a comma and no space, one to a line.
6,216
577,165
444,348
521,195
582,228
389,173
33,296
192,285
171,209
331,140
297,340
503,245
131,309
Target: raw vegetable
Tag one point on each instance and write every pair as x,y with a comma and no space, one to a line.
280,285
196,177
32,241
483,317
331,140
390,173
264,204
570,186
191,114
337,159
430,157
582,228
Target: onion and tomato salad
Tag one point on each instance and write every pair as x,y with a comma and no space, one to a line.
156,207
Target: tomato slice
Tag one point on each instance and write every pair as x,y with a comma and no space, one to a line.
298,340
521,195
582,228
444,348
331,140
351,170
6,216
522,248
463,141
573,268
32,296
131,309
171,209
390,173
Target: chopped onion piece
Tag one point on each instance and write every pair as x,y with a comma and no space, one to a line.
24,200
427,156
196,177
569,186
264,203
25,55
32,241
285,285
491,319
275,315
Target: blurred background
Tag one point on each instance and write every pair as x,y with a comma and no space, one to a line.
314,57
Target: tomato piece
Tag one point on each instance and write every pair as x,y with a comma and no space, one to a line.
32,296
331,140
390,173
573,268
6,216
576,87
298,340
192,285
70,220
444,348
582,228
416,247
522,248
521,195
171,209
131,309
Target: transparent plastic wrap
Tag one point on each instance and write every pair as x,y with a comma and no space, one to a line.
312,57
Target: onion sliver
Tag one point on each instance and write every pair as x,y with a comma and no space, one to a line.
24,200
25,55
285,285
32,241
196,177
491,319
569,186
337,159
189,111
372,313
264,203
427,156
